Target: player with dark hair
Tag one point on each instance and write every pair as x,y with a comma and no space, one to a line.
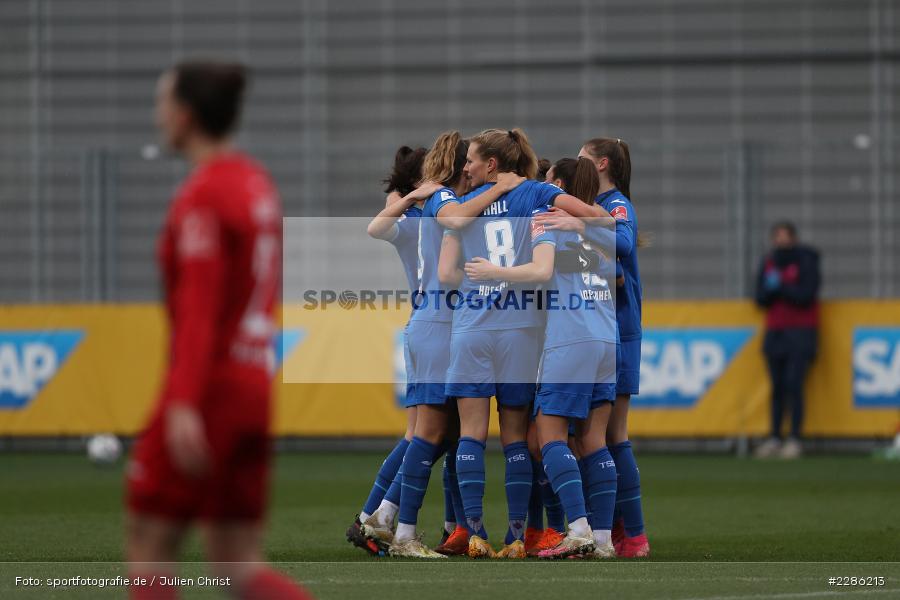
579,178
543,166
612,159
205,453
398,224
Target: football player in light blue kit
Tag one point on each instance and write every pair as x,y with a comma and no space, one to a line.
495,344
428,341
578,368
612,159
398,224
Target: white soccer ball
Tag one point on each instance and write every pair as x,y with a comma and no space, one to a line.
104,449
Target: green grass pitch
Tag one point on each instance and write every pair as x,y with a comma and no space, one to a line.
719,527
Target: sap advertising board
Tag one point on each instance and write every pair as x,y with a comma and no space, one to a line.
30,359
678,366
876,367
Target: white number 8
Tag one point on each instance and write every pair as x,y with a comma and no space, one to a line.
498,235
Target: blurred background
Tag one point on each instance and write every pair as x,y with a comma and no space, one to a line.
738,113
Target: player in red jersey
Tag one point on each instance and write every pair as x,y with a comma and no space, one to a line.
205,453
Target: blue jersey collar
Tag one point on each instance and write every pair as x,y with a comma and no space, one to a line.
605,195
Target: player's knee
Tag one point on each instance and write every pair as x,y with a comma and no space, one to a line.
431,435
474,429
590,443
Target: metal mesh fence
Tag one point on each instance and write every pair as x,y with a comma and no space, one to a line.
738,113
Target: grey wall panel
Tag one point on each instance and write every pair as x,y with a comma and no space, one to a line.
738,112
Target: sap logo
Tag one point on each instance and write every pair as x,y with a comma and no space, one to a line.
285,342
465,457
876,367
28,360
516,458
679,365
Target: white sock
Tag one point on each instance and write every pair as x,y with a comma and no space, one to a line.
580,527
449,526
386,513
404,532
364,516
602,537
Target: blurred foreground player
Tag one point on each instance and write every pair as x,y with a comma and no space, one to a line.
788,288
205,453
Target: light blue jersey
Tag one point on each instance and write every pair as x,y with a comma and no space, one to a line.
406,242
430,303
585,309
503,234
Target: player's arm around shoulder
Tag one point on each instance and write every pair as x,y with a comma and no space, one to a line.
383,226
457,215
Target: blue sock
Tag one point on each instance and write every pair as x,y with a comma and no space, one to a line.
518,488
449,513
628,491
470,471
536,503
393,493
600,476
416,472
584,488
450,462
556,518
562,470
386,475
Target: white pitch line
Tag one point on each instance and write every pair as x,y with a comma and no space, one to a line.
823,593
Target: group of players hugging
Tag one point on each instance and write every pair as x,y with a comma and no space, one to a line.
525,288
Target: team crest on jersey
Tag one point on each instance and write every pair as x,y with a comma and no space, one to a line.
199,235
445,195
619,212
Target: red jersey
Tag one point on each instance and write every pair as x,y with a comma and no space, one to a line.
220,258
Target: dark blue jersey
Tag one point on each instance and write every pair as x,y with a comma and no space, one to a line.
503,234
406,242
628,297
586,309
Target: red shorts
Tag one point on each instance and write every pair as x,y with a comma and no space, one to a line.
236,415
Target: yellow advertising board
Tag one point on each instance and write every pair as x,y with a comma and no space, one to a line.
80,369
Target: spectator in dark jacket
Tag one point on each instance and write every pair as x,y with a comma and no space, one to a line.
787,287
